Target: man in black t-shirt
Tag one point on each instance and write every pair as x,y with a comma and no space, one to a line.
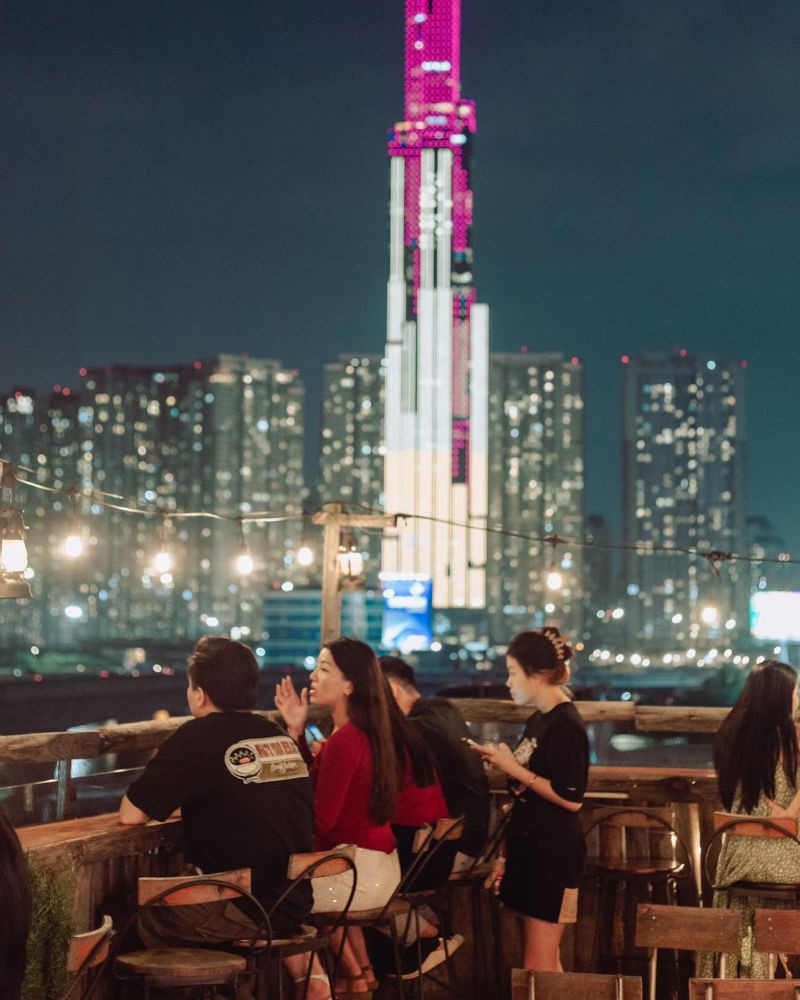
245,797
461,773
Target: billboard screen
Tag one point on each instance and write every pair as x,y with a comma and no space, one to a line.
775,615
406,612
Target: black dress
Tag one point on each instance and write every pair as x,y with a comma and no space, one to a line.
545,847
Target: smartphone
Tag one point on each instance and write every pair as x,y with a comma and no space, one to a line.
314,734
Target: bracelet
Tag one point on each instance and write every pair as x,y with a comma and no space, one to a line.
529,784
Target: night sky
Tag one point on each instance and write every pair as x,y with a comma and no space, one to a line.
184,178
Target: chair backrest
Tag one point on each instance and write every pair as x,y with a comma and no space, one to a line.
90,948
745,826
687,928
527,985
777,931
744,989
428,842
89,951
188,890
319,864
642,833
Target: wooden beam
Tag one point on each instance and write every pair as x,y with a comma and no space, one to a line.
666,719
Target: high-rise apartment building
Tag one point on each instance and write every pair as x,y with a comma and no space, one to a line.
536,439
222,435
437,332
352,447
684,486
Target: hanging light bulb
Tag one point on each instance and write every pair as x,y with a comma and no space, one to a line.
554,580
73,545
305,556
162,560
13,555
244,561
709,615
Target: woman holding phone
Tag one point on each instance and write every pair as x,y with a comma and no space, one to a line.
547,771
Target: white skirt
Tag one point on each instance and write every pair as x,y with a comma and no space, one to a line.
377,876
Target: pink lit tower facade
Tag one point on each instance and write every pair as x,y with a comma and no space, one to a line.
437,342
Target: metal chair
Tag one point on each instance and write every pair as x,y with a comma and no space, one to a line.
385,918
311,939
177,968
773,828
643,862
445,832
87,955
473,879
685,928
527,985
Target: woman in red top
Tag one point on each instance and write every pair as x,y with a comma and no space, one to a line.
357,775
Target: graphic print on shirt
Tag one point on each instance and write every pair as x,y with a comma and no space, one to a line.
524,749
274,758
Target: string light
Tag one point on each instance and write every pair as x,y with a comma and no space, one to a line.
73,543
244,561
163,562
350,559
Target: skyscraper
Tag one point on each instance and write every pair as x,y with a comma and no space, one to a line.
223,434
684,486
352,448
536,489
437,333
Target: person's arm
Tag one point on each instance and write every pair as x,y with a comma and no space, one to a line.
337,767
131,815
171,778
503,759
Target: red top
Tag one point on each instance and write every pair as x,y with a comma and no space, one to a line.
417,806
342,775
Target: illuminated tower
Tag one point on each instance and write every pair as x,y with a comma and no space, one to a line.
437,334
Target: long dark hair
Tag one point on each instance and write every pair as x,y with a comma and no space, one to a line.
409,744
368,708
15,912
757,734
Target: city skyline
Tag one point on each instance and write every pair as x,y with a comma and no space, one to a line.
146,201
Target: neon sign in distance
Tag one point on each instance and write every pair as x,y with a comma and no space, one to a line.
775,615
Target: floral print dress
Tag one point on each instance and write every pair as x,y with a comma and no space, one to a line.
754,859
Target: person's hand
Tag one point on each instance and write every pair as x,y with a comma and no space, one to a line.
292,706
495,877
499,755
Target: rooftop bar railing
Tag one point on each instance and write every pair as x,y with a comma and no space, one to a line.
106,858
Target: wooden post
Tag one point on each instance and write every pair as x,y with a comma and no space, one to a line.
334,518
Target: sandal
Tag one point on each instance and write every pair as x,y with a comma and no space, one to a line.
350,994
369,974
320,977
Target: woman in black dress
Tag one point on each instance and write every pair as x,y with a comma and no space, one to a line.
545,847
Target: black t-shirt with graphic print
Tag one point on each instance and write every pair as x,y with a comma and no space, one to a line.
245,796
555,746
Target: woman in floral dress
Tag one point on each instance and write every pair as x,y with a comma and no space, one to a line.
757,762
